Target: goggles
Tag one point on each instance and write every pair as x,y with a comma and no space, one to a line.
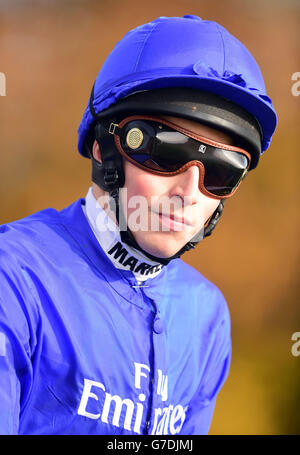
164,148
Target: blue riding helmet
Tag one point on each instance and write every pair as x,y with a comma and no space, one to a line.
185,52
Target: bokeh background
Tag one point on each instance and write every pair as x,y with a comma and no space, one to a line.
51,52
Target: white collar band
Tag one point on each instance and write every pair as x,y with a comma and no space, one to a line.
122,255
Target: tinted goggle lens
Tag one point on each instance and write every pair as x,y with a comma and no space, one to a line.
159,148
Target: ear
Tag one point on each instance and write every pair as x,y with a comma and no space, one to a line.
96,152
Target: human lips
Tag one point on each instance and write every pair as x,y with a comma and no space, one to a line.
174,222
179,219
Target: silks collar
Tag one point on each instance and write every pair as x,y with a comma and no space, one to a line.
122,255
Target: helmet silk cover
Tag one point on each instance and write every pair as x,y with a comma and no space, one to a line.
182,52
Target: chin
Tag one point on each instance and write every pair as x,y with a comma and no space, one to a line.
162,247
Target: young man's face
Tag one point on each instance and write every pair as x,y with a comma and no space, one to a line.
164,213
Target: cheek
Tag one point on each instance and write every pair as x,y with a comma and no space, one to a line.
212,204
139,182
203,210
141,186
208,206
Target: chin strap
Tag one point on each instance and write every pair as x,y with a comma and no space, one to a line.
214,219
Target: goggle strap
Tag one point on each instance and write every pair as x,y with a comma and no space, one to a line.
115,129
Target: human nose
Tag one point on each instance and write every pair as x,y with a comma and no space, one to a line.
187,185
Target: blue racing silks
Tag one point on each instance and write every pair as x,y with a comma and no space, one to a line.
84,351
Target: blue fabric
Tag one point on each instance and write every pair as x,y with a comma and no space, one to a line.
84,352
182,52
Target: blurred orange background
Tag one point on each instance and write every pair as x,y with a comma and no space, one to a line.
51,52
